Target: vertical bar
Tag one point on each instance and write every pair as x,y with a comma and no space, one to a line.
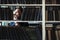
56,32
22,14
43,19
59,14
49,35
59,34
54,15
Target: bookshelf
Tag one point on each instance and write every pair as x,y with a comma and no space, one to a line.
50,9
52,19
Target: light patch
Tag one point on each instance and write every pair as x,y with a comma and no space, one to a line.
0,24
49,25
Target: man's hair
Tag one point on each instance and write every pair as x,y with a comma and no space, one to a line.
20,8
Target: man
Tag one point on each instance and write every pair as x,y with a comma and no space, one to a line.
17,13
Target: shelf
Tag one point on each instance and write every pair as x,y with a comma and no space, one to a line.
29,4
52,21
20,4
52,4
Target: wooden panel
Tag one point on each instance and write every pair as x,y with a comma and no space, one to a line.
46,15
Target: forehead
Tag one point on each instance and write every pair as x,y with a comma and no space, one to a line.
17,10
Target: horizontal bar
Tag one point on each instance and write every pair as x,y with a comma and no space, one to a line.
52,21
29,4
52,4
29,21
20,4
22,21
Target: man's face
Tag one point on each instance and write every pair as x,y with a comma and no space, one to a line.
18,12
